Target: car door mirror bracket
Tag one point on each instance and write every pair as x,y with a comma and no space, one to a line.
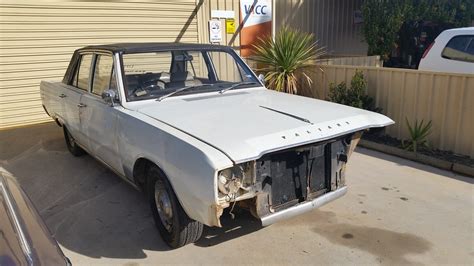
261,78
109,96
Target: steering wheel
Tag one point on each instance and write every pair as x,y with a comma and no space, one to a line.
149,86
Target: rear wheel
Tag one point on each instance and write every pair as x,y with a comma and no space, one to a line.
174,225
72,145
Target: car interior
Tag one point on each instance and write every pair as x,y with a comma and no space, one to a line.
181,74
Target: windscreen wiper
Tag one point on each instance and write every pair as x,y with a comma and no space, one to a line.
237,85
180,90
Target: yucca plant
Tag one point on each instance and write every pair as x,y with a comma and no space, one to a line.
418,135
287,59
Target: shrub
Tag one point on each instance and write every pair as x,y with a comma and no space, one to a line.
383,19
354,96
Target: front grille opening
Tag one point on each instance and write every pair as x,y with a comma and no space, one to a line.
298,174
295,175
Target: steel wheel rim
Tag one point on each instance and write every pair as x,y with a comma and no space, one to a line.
163,206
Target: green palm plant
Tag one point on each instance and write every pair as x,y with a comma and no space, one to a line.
291,55
418,135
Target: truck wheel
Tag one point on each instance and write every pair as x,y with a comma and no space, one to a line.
174,225
72,145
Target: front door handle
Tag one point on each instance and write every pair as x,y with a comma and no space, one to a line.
81,105
62,95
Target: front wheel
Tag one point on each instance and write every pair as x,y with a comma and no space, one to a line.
71,144
174,225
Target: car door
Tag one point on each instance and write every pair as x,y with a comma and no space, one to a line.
71,98
98,118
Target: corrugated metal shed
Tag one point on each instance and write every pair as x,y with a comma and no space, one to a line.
38,38
332,22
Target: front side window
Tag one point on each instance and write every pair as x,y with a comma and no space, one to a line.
227,68
81,77
460,48
103,75
157,74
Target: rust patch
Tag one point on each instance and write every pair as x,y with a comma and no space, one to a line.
218,210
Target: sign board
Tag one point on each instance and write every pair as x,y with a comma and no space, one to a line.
215,31
230,26
256,16
358,19
222,14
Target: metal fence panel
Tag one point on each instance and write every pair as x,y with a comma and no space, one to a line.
444,98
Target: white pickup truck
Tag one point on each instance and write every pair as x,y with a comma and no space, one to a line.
198,139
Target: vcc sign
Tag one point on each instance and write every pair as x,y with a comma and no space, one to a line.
256,17
255,12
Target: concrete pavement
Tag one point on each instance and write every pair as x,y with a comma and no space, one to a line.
396,212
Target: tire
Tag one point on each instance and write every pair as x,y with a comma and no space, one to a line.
174,225
72,145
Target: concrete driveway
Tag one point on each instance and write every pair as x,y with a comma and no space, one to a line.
396,212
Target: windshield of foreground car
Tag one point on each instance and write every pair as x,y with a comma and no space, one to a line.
159,75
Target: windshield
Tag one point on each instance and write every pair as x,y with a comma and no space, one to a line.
177,72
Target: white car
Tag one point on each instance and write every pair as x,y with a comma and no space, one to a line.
452,51
199,138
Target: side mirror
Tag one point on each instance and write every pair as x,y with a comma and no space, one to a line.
109,96
261,77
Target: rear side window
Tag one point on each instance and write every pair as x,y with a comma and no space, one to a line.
460,48
103,74
81,77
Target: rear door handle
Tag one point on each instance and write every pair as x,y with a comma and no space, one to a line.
62,95
81,105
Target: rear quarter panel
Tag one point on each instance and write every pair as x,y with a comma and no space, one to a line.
50,91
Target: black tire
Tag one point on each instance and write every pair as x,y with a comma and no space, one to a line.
71,144
174,225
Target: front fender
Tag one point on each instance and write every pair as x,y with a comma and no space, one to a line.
190,165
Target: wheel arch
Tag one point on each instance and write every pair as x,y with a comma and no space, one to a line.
139,173
140,168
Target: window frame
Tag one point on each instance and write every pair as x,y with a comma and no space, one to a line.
215,74
77,68
465,51
92,77
210,66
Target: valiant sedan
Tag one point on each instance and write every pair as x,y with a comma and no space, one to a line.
195,129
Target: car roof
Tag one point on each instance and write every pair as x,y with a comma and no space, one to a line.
462,29
153,47
446,35
459,31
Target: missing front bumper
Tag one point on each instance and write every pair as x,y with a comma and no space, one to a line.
290,182
303,207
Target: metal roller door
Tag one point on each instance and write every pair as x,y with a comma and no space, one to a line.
38,38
